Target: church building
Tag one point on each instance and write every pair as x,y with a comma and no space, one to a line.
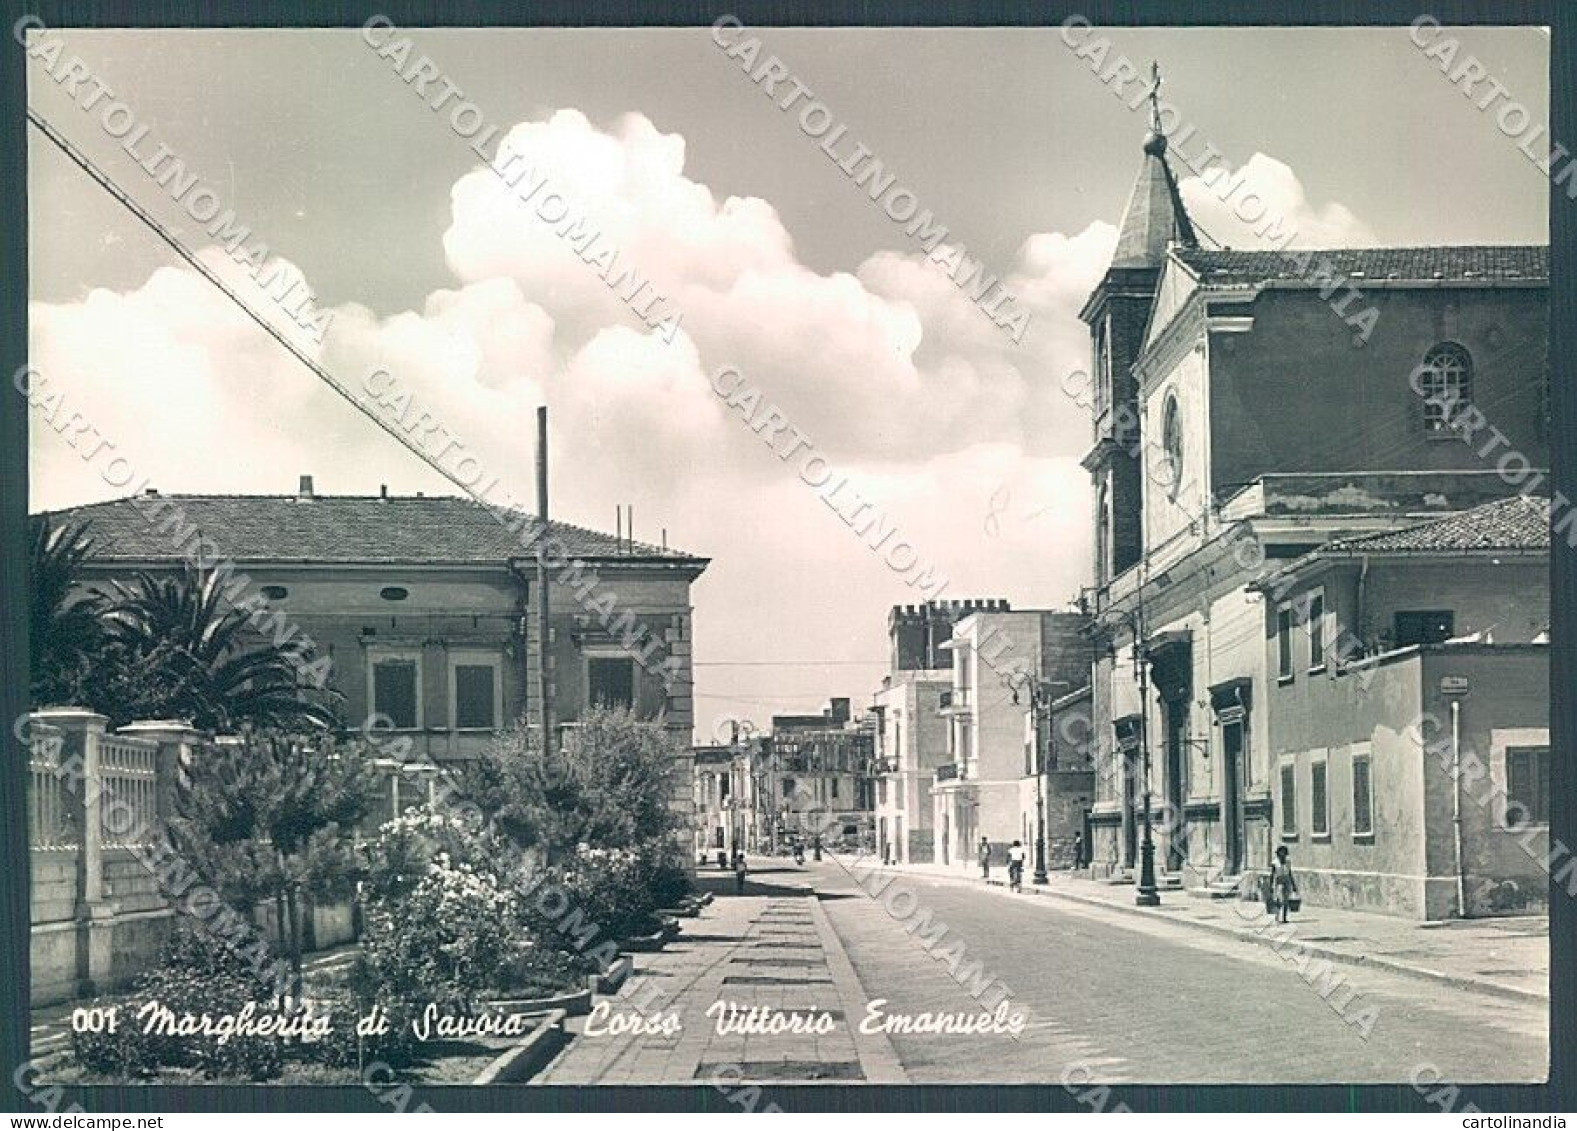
1240,424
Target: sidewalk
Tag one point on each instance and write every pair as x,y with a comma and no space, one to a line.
1509,957
774,947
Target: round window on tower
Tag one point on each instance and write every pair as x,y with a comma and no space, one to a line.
1172,446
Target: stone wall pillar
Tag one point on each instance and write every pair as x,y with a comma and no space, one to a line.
178,745
81,777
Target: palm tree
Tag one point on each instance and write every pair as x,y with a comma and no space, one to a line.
64,632
187,655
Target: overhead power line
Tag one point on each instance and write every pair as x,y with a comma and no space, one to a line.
788,663
105,182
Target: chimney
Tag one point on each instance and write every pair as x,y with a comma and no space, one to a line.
383,491
839,712
304,492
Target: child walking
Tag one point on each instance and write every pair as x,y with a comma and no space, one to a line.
1283,884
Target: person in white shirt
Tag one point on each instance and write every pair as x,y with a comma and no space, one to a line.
1016,856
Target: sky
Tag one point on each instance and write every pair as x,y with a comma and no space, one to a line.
781,266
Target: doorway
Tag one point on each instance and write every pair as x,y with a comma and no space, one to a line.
1131,772
1176,784
1232,793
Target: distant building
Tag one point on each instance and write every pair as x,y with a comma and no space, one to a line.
912,734
820,774
911,745
920,633
425,606
718,823
1004,664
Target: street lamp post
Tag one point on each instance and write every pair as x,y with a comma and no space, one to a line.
1148,894
1040,831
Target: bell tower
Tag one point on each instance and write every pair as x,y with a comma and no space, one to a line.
1117,312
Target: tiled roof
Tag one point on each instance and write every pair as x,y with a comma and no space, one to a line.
432,529
1518,523
1484,264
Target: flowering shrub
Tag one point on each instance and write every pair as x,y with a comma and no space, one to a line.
444,921
344,1047
607,885
448,937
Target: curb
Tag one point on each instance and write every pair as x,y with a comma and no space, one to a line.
609,981
520,1063
879,1062
1496,989
574,1003
647,944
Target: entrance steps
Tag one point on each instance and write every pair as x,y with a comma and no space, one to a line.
1225,887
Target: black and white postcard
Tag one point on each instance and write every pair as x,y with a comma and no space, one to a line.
773,561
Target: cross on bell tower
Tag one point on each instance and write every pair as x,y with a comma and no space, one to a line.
1155,143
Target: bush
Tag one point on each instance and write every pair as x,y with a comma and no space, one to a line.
122,1055
443,919
607,886
345,1048
198,975
610,785
663,875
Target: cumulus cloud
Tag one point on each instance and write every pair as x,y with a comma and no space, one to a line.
963,437
1265,195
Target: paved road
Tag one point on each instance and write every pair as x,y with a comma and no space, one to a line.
1118,999
1110,997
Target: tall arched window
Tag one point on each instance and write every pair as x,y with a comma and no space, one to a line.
1103,537
1445,381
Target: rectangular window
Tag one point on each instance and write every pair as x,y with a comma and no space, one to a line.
474,685
1362,798
1319,802
1424,626
612,682
1284,643
1289,800
394,691
835,789
1527,785
1317,632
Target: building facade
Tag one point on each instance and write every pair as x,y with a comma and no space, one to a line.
991,788
911,744
1366,751
912,734
424,607
1068,778
1241,423
823,776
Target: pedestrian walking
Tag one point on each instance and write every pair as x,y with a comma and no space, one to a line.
1284,885
1078,850
739,873
985,859
1016,856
